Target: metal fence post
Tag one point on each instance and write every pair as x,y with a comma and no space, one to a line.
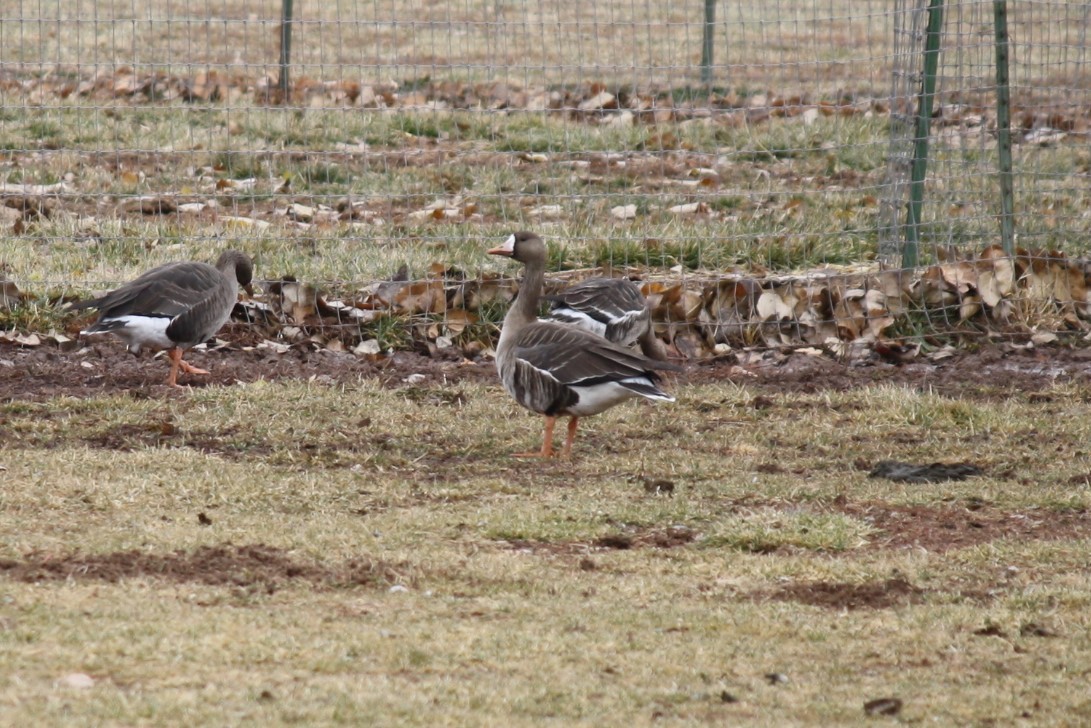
911,252
1003,128
285,49
707,35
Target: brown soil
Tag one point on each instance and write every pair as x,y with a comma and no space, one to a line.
872,595
940,529
105,367
260,567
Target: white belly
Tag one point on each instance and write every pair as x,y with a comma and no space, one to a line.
599,398
137,331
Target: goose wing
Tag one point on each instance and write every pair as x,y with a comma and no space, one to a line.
574,357
604,299
167,291
612,307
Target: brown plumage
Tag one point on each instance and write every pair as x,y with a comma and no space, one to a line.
174,307
559,370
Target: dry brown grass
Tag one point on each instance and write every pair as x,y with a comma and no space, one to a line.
538,591
299,552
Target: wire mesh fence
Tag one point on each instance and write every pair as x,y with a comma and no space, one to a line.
411,134
1048,71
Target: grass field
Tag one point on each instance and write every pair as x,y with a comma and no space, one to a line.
311,537
293,552
785,158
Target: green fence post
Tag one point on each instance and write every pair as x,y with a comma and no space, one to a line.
1003,127
707,35
285,49
911,251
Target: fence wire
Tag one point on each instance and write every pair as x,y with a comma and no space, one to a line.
414,133
1049,71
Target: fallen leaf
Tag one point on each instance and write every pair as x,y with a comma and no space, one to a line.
456,320
301,213
368,347
29,340
296,302
691,208
420,297
546,211
1043,338
230,221
601,100
883,706
10,295
150,206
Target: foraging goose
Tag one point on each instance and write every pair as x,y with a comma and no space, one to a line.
175,307
613,308
558,370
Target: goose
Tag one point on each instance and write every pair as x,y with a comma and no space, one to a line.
613,308
174,307
559,370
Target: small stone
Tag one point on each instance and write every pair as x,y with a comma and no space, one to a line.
78,680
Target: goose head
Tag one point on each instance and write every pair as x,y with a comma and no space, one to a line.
524,247
232,261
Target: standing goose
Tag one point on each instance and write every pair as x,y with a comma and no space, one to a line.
558,370
174,307
613,308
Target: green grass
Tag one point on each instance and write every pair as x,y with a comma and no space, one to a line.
786,195
516,567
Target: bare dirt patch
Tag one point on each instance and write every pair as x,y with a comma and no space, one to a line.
255,566
989,373
936,529
45,372
885,594
944,528
659,538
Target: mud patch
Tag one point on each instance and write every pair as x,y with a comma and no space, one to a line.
35,374
256,566
128,437
656,538
886,594
944,528
104,368
930,473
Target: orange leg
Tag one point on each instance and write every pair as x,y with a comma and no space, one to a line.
547,442
176,363
573,423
